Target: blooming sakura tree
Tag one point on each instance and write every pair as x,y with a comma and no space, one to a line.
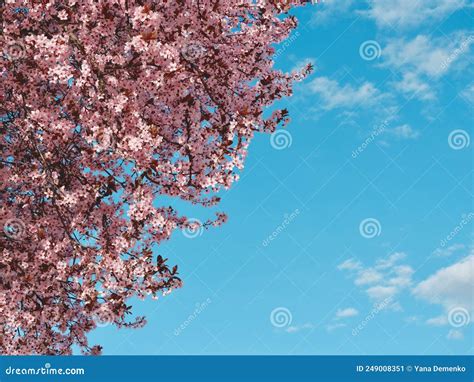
106,106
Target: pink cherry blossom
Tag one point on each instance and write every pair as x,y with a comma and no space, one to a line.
104,107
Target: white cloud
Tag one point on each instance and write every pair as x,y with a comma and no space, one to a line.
350,264
384,280
412,319
454,334
329,9
450,286
332,327
368,276
341,314
448,251
389,261
424,59
347,312
438,321
411,85
380,292
296,328
424,55
409,13
333,95
404,132
401,276
468,93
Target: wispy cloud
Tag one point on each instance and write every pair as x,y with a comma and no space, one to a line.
341,317
330,10
298,328
455,334
350,264
412,85
347,312
384,280
437,321
468,93
408,13
389,261
334,95
448,251
332,327
426,55
368,276
450,286
423,59
404,132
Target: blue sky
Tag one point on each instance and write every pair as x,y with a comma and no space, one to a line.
367,199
